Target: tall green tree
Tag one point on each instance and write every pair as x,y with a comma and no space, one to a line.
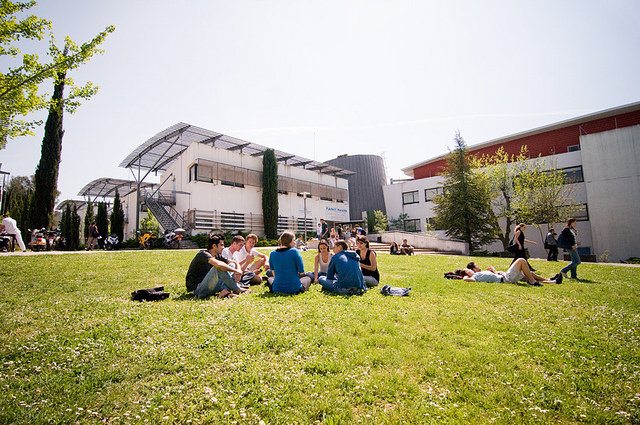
46,177
19,84
102,221
465,209
88,219
74,231
270,194
65,224
117,218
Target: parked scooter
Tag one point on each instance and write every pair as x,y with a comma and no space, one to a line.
38,240
111,242
53,239
172,238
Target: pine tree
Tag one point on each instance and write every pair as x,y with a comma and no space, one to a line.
465,208
65,225
74,231
46,177
270,194
117,218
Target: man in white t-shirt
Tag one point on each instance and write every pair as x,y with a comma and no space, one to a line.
10,226
256,260
234,252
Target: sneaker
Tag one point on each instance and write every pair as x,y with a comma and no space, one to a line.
558,278
536,283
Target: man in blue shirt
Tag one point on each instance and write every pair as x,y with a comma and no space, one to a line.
344,276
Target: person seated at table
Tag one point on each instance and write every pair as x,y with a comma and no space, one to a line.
519,270
405,248
210,273
344,276
287,267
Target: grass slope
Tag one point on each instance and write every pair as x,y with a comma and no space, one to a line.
74,348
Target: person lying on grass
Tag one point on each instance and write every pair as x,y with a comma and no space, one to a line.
519,270
209,273
344,276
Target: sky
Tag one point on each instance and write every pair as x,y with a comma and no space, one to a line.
318,79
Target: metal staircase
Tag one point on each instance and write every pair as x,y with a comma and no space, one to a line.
162,209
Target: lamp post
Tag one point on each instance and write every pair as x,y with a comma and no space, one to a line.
305,194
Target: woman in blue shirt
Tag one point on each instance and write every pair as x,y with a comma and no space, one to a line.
287,267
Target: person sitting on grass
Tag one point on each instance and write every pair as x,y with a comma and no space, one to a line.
394,249
209,273
321,261
233,253
368,262
288,270
344,276
256,260
519,270
406,248
300,245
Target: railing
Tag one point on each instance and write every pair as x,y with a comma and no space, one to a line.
208,221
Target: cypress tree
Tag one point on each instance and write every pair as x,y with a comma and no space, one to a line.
117,218
88,219
46,177
74,231
102,221
270,194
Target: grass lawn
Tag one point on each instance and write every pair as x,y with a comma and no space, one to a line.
75,348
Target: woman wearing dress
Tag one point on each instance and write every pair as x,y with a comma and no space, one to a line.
520,240
287,267
368,262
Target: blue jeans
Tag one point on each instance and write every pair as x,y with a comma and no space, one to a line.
332,285
214,282
575,262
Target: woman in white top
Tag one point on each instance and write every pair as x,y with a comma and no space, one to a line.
322,260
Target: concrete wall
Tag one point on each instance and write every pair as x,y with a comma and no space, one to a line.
612,175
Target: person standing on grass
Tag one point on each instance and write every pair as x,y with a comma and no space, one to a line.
210,273
344,276
518,271
520,240
288,269
325,229
568,235
10,226
92,240
368,262
551,244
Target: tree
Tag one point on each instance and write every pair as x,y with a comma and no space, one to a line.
19,85
500,170
465,209
149,224
270,194
376,221
18,200
543,196
117,218
46,177
102,221
74,243
88,219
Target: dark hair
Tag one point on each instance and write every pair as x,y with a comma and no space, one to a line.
471,265
237,238
342,244
323,242
571,220
363,239
214,240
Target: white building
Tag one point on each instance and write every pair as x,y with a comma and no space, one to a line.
600,152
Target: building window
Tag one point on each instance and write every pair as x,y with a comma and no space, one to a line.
580,212
301,195
429,194
412,225
573,174
430,224
410,197
573,148
324,198
232,184
200,173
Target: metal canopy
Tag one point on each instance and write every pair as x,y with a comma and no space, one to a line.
106,187
62,205
160,151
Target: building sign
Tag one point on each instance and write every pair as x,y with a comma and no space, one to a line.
336,213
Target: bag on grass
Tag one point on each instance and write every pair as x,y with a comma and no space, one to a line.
453,275
151,294
392,290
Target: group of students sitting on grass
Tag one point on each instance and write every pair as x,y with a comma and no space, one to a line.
228,272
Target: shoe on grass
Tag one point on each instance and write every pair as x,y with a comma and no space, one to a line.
536,283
